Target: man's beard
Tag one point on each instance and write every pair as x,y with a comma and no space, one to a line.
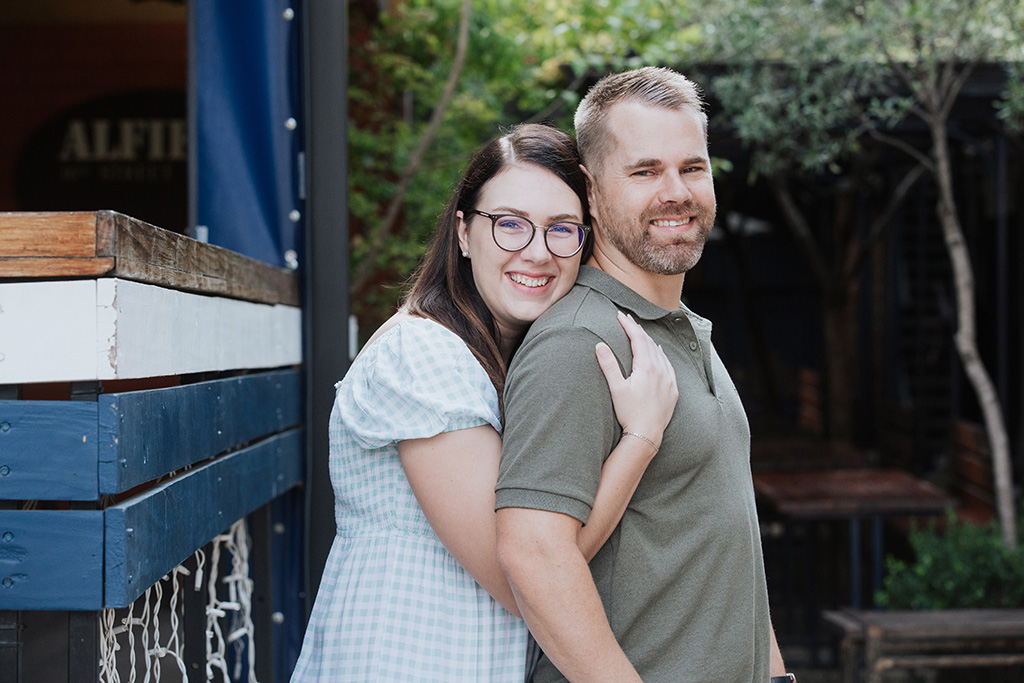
641,248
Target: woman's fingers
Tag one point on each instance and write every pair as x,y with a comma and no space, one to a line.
646,354
639,341
609,366
644,400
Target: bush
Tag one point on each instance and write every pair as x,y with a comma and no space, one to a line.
961,566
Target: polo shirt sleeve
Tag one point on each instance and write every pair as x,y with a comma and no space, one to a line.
560,424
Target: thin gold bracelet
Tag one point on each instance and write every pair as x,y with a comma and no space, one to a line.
641,436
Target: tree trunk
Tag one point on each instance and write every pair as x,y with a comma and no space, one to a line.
965,338
838,295
840,386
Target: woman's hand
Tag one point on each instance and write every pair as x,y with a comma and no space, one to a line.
643,405
645,401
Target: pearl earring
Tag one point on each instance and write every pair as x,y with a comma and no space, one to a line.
465,254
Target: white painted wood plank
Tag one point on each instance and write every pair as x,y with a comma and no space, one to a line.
163,332
118,329
47,331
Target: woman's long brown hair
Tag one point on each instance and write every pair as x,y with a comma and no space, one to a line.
442,288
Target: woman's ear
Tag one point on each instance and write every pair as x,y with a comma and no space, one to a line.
463,231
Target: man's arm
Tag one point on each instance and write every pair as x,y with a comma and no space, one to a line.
557,596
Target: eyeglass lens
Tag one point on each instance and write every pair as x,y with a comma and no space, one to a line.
513,233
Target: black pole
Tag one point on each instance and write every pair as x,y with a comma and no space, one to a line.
325,269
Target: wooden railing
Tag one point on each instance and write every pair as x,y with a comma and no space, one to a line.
149,397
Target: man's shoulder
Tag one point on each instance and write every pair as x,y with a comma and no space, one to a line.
582,315
582,307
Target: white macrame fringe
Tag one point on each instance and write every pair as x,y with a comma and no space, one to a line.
238,604
116,636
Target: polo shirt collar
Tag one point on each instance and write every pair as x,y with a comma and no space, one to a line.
698,335
621,295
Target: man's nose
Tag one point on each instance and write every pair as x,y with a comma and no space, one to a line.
674,189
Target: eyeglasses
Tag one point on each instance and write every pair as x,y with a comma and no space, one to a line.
514,233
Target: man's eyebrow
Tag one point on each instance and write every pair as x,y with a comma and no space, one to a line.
651,162
644,163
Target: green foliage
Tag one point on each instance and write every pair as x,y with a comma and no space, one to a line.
396,77
1011,107
962,566
792,84
802,82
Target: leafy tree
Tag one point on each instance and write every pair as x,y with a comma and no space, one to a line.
855,68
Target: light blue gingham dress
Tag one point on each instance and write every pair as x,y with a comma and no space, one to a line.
393,604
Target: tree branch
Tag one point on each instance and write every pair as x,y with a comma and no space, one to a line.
899,144
381,232
559,101
954,89
882,220
800,229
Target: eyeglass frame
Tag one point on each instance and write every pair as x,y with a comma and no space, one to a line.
494,222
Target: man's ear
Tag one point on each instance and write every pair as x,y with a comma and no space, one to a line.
462,230
590,191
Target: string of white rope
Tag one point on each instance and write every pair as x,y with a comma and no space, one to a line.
237,609
142,633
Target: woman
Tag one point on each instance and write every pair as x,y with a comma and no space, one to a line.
412,589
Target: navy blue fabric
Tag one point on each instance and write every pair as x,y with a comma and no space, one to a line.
247,85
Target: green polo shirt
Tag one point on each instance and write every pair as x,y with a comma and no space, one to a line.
682,576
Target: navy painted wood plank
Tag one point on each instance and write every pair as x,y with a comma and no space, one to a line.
145,434
51,559
151,533
48,450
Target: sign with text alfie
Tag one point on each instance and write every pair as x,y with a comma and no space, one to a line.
127,152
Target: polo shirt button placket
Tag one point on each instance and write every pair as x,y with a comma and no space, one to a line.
693,346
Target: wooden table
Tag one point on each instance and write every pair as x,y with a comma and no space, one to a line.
927,638
852,494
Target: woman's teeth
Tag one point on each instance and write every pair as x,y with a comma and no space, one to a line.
529,281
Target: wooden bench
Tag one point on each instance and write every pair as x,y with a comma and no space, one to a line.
926,639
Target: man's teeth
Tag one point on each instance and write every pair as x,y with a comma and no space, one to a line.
529,281
670,223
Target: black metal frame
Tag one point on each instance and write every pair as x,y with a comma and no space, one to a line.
325,303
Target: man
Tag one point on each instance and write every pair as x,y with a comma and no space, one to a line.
678,592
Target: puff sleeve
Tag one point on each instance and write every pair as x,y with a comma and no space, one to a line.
418,380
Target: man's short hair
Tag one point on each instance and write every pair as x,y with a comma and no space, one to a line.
650,85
